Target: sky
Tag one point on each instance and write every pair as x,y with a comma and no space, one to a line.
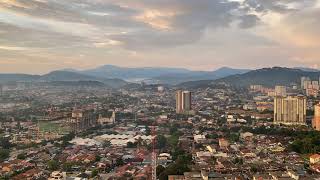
38,36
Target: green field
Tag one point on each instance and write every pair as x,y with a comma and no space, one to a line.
53,126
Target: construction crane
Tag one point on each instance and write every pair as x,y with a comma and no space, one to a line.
154,154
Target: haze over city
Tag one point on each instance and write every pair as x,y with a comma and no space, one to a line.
159,90
38,36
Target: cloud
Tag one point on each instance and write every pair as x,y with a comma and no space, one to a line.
303,28
301,32
106,31
12,48
279,6
248,21
180,22
155,19
14,4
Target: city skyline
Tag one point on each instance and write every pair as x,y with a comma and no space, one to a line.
38,36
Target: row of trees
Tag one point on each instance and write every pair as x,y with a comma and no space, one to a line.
306,142
5,146
181,159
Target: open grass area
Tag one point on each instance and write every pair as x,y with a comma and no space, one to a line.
53,126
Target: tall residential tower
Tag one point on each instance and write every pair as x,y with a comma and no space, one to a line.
183,101
316,119
290,110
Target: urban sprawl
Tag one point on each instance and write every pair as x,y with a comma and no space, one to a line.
160,132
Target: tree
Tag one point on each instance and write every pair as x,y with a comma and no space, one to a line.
67,166
160,169
234,137
4,154
5,143
173,140
254,168
21,156
178,167
148,131
306,142
310,112
173,129
68,137
98,158
106,144
65,139
212,136
119,162
53,165
176,152
161,141
94,173
131,145
238,161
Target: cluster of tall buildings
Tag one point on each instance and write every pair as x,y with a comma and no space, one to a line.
290,110
183,102
260,88
256,88
311,87
277,91
280,91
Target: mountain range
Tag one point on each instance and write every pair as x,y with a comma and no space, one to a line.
61,76
268,77
158,75
116,77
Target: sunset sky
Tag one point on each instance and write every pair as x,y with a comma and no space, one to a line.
37,36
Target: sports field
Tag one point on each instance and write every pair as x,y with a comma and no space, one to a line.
53,126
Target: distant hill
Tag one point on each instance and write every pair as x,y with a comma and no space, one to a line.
111,71
196,84
158,75
269,77
198,75
307,69
66,76
76,83
226,71
5,78
62,76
